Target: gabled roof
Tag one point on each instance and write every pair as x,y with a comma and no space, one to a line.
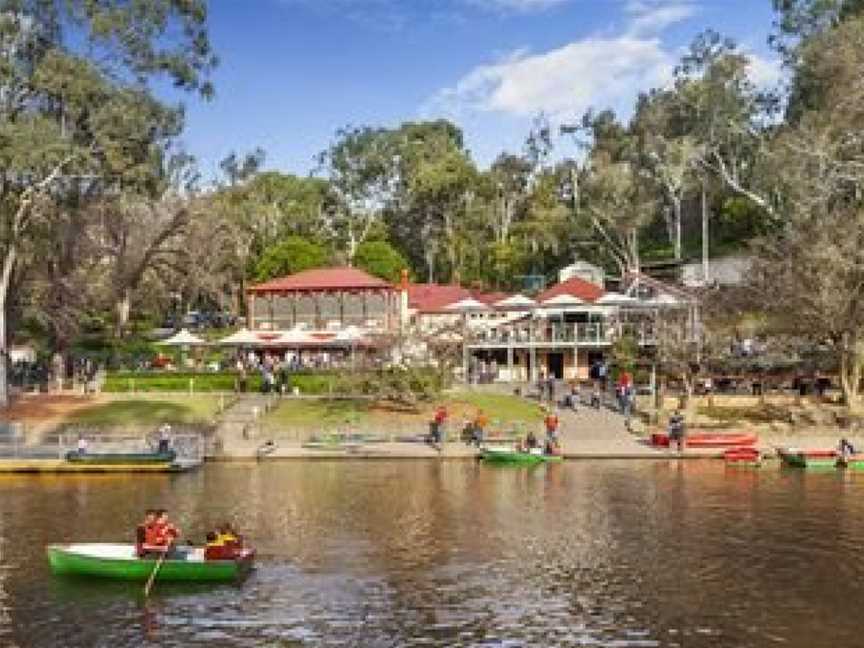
435,298
562,300
574,287
468,304
519,301
323,279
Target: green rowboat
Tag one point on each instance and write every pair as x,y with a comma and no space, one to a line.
129,458
119,561
811,459
510,456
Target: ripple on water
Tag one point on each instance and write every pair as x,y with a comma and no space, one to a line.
629,555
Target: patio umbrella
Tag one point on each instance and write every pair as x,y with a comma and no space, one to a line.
183,338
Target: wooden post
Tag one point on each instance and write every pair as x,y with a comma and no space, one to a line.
250,312
342,308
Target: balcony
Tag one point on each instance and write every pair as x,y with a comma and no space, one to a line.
580,334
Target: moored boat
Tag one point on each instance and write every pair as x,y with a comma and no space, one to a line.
743,456
852,462
799,458
119,561
511,455
125,458
707,440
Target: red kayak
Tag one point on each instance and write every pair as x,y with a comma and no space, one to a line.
707,440
746,454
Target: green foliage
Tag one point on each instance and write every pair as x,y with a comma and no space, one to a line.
381,259
625,352
294,254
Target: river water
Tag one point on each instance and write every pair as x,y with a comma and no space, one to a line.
428,553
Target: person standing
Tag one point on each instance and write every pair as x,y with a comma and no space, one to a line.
677,430
164,439
551,423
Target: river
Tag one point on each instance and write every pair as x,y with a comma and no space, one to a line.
428,553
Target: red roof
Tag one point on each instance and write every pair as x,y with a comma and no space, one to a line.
489,298
574,287
434,298
323,280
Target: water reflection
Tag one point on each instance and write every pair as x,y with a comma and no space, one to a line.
455,553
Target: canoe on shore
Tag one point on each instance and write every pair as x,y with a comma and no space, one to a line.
509,455
743,456
126,458
119,561
707,440
798,458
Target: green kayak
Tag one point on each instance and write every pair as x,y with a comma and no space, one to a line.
129,458
118,561
517,457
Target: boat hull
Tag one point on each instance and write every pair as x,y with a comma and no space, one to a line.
814,459
513,457
120,563
704,440
129,459
747,456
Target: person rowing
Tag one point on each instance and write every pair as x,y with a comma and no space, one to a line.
160,536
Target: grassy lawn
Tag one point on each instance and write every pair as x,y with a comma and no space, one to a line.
321,415
501,407
149,411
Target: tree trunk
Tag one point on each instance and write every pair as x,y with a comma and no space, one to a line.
678,230
5,278
850,371
706,270
122,307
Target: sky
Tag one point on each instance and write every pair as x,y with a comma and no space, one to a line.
292,72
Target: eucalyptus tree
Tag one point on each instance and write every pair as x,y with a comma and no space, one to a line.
72,77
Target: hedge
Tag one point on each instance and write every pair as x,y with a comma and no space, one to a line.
310,383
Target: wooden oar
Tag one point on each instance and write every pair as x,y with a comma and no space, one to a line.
155,571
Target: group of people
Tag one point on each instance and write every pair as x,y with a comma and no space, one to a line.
156,535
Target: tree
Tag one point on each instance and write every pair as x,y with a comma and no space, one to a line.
381,259
294,254
618,204
64,118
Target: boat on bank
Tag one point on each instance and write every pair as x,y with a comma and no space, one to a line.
124,458
743,456
817,458
120,562
707,440
513,456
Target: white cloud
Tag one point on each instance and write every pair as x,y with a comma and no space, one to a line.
653,16
765,73
565,81
520,6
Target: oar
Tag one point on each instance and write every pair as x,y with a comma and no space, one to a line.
155,571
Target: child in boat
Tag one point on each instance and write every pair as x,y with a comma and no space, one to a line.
227,536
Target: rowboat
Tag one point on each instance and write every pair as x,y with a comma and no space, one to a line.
851,462
707,440
798,458
743,456
126,458
512,456
119,561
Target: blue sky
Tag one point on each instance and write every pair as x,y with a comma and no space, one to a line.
293,71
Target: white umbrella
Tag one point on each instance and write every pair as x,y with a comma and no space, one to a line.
243,337
183,338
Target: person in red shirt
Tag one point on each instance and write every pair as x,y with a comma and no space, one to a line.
438,424
551,422
142,530
161,535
